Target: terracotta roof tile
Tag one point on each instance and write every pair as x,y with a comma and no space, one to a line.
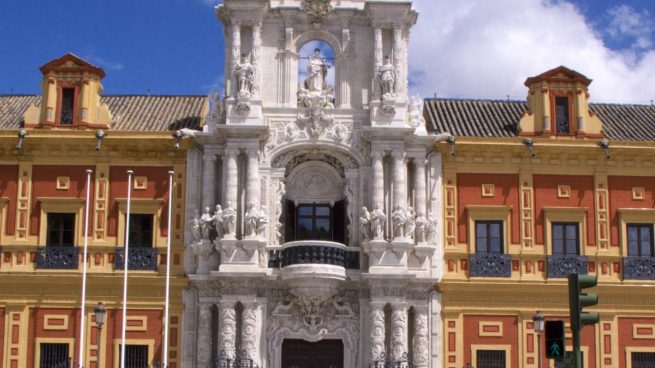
129,113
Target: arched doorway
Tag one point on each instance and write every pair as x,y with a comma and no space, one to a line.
304,354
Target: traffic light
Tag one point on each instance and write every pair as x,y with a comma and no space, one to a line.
555,339
579,300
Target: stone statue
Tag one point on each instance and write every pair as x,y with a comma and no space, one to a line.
421,227
365,223
218,221
262,222
196,232
398,220
416,119
251,218
317,69
229,220
206,222
431,233
386,78
244,73
410,223
377,222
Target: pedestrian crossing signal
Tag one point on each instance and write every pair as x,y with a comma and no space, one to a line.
555,339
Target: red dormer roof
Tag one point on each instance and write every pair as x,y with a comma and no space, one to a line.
559,74
80,65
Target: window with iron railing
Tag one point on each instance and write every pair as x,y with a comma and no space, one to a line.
640,240
566,238
489,237
490,359
53,355
61,229
136,356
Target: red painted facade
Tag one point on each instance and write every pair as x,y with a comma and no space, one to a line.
621,196
8,190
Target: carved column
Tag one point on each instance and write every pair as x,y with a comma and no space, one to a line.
204,335
377,331
378,180
378,45
236,51
419,185
227,328
398,330
256,59
421,341
252,187
397,56
249,330
231,174
399,187
208,180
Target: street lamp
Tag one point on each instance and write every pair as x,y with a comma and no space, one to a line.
99,311
538,320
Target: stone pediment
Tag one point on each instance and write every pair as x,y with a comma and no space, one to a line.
559,74
71,63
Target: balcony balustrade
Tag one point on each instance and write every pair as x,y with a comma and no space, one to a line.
490,265
57,258
639,268
564,265
314,252
141,259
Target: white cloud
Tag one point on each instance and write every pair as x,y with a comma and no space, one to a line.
104,63
486,49
625,22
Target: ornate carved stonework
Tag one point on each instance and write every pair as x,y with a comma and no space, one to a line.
317,10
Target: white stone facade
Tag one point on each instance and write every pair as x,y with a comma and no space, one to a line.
281,141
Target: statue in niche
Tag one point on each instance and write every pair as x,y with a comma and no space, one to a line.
398,220
410,223
386,78
244,73
262,222
377,222
251,218
431,232
229,220
196,232
317,68
218,221
365,223
206,222
421,227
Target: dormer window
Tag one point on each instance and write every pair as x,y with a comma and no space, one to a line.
67,106
562,115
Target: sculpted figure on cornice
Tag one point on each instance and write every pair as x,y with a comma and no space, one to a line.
365,223
196,230
244,73
378,218
206,221
386,78
229,220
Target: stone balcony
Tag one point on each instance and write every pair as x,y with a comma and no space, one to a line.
57,258
639,268
561,266
490,265
141,259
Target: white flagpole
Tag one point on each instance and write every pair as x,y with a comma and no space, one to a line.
168,267
126,262
80,360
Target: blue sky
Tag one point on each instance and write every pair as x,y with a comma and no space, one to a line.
176,46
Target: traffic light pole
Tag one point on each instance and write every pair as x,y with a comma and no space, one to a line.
577,355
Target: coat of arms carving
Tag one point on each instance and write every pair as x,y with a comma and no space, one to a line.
317,10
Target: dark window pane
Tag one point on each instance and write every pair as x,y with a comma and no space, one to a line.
633,233
53,355
322,211
565,238
305,211
141,230
496,247
481,229
562,117
481,245
490,359
643,360
305,224
67,106
633,248
489,237
640,240
61,229
558,232
558,246
314,223
494,230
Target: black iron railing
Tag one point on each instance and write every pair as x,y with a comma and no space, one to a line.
385,361
639,268
314,254
490,265
241,360
564,265
57,258
141,259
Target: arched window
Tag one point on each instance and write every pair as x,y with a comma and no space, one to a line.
316,67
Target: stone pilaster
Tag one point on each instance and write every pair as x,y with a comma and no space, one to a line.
398,330
204,335
208,179
378,179
419,185
399,186
397,56
249,326
227,328
231,174
236,51
421,341
378,45
377,331
256,57
253,185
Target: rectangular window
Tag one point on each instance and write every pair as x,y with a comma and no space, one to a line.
314,222
643,360
141,230
489,237
67,112
562,115
490,359
61,229
136,356
566,238
54,356
640,240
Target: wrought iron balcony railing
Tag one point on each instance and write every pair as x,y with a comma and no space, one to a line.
639,268
314,253
141,259
57,257
490,265
564,265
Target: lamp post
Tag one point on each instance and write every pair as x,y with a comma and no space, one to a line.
99,311
538,320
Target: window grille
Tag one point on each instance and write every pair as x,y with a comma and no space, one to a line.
54,356
643,360
136,356
490,359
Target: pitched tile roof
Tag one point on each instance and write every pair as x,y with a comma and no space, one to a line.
493,118
129,113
